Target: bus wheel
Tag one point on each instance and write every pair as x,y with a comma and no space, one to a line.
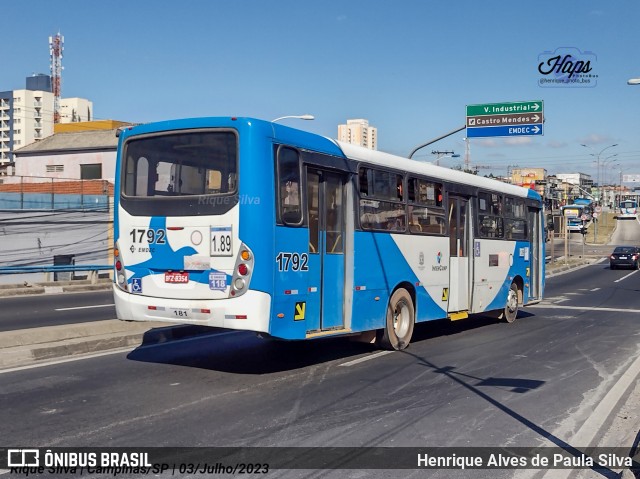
511,308
400,320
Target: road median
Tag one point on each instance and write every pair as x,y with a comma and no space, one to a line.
28,346
54,287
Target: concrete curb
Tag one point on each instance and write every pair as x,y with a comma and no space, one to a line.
556,270
28,346
54,287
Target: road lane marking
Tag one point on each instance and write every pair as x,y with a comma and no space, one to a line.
594,289
582,308
626,276
85,307
366,358
586,435
125,349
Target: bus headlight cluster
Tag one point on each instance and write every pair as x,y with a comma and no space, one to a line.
121,277
242,272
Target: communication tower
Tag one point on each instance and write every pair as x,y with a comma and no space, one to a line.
56,45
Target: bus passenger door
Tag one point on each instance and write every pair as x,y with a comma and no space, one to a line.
326,214
459,234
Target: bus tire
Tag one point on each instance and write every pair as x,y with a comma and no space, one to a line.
510,311
399,321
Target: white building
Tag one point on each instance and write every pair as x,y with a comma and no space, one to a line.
579,179
86,155
26,115
358,132
75,110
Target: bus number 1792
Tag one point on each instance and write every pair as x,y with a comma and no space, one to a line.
295,261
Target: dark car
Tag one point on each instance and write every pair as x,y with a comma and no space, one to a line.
628,256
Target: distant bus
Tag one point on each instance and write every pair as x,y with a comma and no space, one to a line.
578,216
628,209
246,224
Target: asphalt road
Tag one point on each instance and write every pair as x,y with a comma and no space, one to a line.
24,312
475,382
34,311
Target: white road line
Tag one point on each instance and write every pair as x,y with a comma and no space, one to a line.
65,360
626,276
113,351
85,307
582,308
587,432
594,289
366,358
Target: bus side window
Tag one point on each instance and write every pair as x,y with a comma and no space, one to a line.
289,186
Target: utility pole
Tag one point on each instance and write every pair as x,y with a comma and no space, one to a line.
467,154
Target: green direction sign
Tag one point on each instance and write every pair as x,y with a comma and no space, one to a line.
505,108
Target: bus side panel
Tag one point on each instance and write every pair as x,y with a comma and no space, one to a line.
257,204
494,264
383,261
294,267
520,265
428,258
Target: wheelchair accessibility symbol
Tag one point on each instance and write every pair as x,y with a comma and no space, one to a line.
136,285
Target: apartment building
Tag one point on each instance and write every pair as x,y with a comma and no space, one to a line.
26,115
358,132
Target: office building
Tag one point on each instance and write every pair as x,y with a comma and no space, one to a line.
358,132
27,115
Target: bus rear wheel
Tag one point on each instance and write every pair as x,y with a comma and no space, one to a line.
511,307
400,320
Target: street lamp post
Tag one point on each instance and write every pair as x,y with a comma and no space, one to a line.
605,163
299,117
435,139
597,156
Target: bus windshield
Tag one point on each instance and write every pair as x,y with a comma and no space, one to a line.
181,164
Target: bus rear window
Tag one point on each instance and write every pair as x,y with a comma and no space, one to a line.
190,163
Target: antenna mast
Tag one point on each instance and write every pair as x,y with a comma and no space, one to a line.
56,45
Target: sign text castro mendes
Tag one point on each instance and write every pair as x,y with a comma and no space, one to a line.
523,118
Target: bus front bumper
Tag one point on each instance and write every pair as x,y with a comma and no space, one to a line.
249,312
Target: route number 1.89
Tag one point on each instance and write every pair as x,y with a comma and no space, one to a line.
221,241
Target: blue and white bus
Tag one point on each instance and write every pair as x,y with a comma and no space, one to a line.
251,225
578,216
628,209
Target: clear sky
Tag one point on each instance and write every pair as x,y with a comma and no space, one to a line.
408,66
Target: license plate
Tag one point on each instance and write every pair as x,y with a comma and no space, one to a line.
622,257
181,278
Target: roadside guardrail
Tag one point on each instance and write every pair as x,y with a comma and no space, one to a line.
91,269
